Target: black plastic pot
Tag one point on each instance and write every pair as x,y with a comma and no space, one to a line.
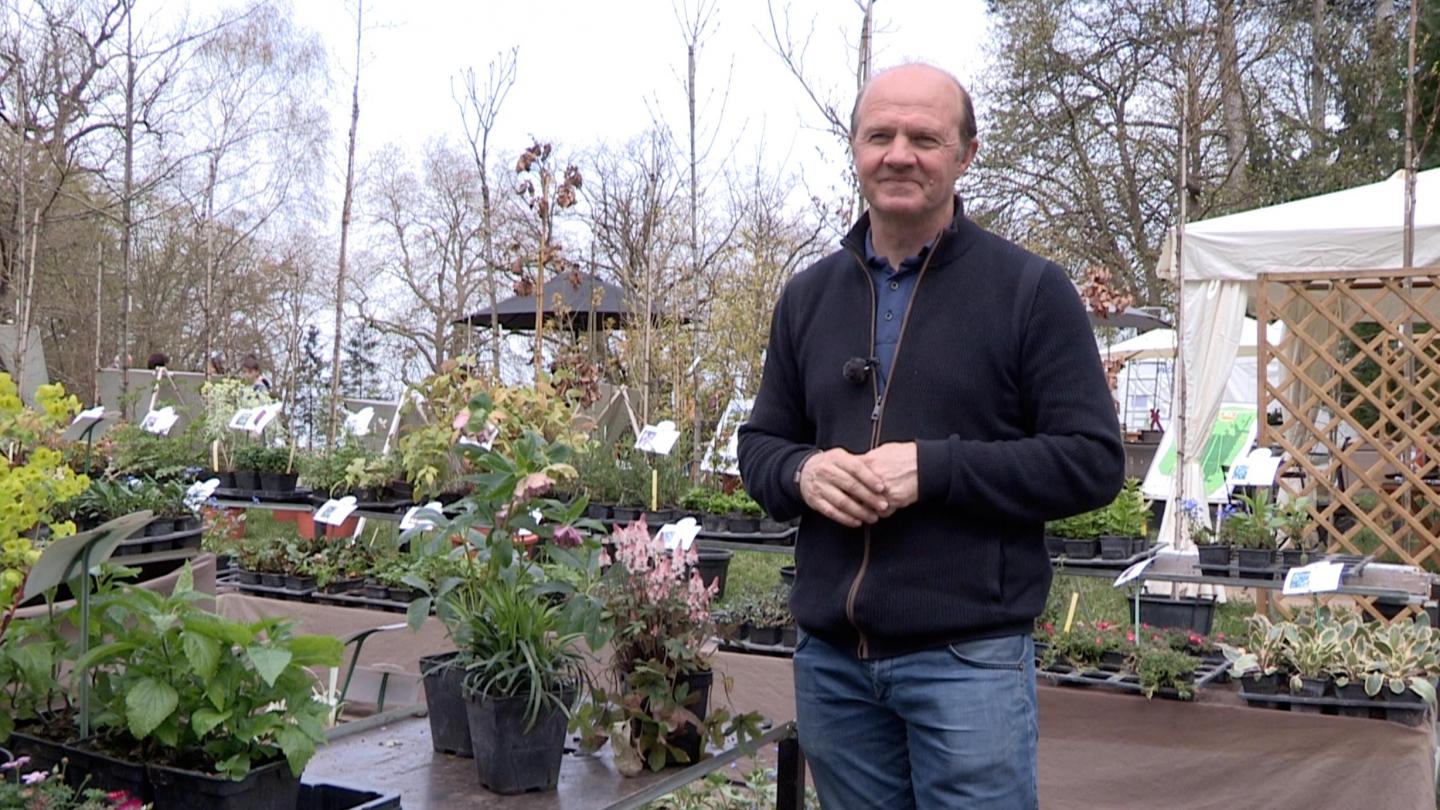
376,590
659,517
1406,708
688,738
400,491
1054,546
771,526
625,514
297,582
1294,558
1310,688
1191,612
445,700
272,580
1115,547
93,769
247,480
1356,691
268,787
335,797
789,636
160,526
712,523
44,754
1081,549
248,577
510,755
226,478
1215,560
597,511
278,483
767,636
1258,561
714,566
742,524
1262,685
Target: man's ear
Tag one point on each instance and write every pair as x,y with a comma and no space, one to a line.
967,155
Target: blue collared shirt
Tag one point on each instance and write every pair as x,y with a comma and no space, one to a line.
893,289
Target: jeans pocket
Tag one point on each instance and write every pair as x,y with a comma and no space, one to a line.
1006,652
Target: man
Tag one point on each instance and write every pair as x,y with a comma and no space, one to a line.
925,449
250,370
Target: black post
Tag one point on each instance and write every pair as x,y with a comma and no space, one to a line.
790,775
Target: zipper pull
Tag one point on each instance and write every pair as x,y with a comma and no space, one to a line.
875,412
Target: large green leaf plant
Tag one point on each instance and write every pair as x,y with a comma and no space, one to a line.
178,685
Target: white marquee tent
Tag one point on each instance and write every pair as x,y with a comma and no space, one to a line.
1221,258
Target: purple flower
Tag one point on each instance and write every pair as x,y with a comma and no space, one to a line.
35,777
568,536
19,763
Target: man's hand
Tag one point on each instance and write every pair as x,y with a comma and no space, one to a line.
895,464
842,486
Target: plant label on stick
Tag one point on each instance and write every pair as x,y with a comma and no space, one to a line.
94,414
160,421
484,440
200,492
241,419
335,510
1133,572
263,416
680,534
358,423
659,439
412,519
1319,577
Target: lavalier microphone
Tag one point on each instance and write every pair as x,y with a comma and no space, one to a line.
857,369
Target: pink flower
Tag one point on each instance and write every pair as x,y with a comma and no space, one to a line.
19,763
35,777
568,537
533,486
461,420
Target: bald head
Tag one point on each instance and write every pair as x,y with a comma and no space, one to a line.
966,123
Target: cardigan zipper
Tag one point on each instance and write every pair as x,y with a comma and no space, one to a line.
877,413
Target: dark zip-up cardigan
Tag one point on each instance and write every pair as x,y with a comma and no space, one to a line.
996,378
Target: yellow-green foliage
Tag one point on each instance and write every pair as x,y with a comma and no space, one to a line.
33,477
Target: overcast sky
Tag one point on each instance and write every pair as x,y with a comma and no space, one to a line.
596,70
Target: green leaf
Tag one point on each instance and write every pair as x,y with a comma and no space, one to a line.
316,650
269,662
147,704
34,661
236,767
216,692
417,613
1423,688
203,653
7,725
104,652
205,720
298,747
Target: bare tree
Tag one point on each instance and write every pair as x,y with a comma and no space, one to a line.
345,226
479,110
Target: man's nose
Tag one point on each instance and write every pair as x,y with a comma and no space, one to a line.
900,152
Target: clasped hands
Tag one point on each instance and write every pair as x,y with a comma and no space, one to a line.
853,489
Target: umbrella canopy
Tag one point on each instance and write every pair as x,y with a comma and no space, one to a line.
1131,318
572,299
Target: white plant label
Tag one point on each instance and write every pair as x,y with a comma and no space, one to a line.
484,440
1319,577
680,535
94,414
335,510
160,421
200,492
263,416
1133,572
241,419
413,521
659,439
358,423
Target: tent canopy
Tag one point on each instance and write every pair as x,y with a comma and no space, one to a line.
571,299
1357,228
1160,343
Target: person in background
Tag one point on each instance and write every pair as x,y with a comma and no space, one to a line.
250,370
215,367
931,395
157,360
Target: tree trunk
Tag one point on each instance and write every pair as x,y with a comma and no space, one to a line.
1319,95
1232,101
345,231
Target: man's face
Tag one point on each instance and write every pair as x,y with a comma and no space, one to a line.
907,145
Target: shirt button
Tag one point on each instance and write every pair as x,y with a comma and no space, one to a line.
894,285
889,315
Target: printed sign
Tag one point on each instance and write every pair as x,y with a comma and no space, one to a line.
160,421
1133,572
335,510
358,423
242,418
412,520
680,535
659,439
262,416
1320,577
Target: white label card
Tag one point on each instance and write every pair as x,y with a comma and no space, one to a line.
1320,577
241,419
413,521
160,421
680,535
484,440
1133,572
200,492
263,416
94,414
335,510
659,438
358,423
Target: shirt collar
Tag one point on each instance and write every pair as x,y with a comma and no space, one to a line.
877,262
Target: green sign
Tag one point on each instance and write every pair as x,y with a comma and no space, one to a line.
1230,438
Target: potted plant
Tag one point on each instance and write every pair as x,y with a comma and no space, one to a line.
275,466
522,673
222,712
768,615
1257,664
743,514
324,473
1158,666
1122,523
1404,668
1254,528
1196,613
1295,523
714,567
1311,649
1080,534
1212,549
660,665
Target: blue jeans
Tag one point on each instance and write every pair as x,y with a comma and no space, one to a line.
953,727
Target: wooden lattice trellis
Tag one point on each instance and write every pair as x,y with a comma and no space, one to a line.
1359,406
